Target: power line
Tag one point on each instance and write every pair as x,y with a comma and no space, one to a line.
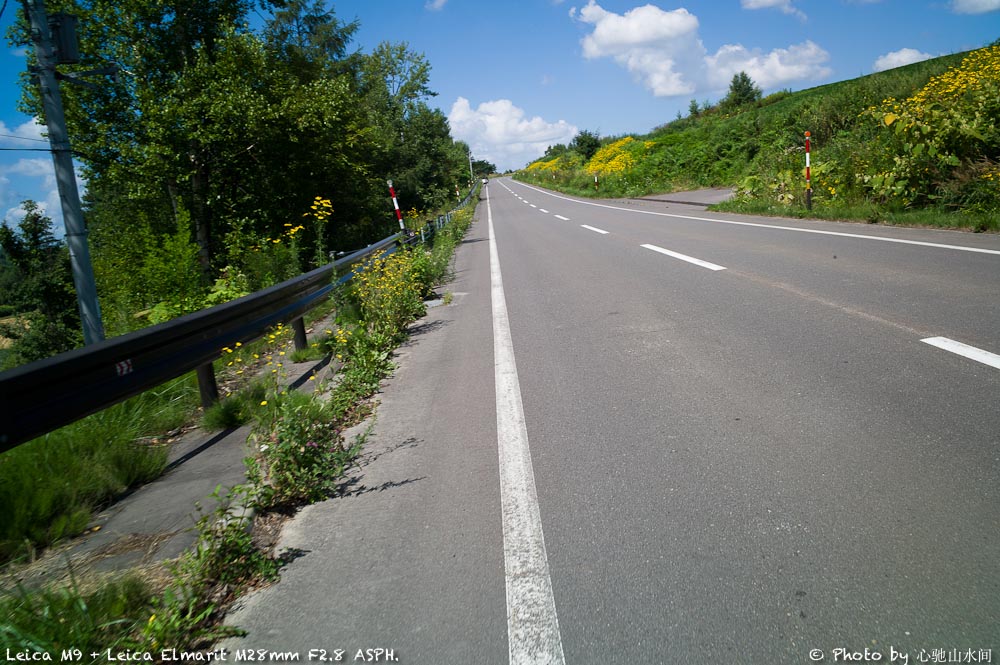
23,138
28,149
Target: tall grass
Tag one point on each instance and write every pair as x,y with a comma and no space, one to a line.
51,620
50,486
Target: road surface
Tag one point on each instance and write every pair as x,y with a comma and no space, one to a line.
647,433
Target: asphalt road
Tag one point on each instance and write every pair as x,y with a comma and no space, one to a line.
742,449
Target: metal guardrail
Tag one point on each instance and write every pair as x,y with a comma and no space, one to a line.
42,396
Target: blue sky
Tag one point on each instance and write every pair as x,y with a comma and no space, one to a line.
514,77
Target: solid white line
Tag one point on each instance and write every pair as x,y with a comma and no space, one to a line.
685,257
543,210
771,226
595,229
565,219
532,625
971,352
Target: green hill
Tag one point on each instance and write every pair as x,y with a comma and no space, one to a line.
917,144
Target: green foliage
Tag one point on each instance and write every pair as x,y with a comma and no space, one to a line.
236,409
302,455
38,291
225,554
742,91
388,293
482,168
51,620
586,143
220,136
945,133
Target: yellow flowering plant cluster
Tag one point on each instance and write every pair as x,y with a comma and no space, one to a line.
614,158
268,356
388,293
546,165
950,123
320,211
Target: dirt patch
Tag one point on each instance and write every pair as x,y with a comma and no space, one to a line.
58,568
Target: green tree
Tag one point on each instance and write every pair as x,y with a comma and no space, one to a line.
742,91
41,296
483,168
309,39
586,143
233,133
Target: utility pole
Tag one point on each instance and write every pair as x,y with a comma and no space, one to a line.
472,176
62,159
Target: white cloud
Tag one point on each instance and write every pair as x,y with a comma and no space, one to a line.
663,51
784,5
975,6
658,47
19,181
13,216
768,70
25,135
37,167
435,5
500,132
34,167
904,56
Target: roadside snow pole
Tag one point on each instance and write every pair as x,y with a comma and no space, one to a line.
395,204
809,190
595,183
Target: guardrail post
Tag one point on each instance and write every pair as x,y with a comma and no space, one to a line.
299,326
207,386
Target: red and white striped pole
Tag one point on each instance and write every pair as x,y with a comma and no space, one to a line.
809,190
395,204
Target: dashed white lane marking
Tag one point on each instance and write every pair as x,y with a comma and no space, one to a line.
532,205
971,352
595,229
543,210
532,625
565,219
685,257
774,227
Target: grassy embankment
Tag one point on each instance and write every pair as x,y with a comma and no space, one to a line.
915,145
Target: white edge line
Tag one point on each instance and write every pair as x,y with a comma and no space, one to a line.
595,229
776,227
565,219
532,625
971,352
685,257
